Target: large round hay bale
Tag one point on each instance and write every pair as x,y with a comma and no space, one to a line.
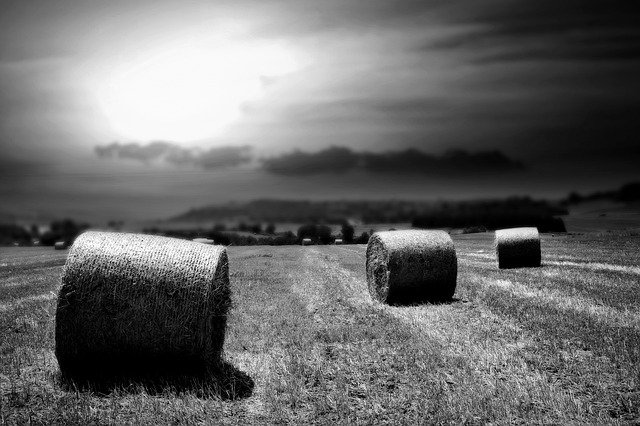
135,304
60,245
517,247
406,267
307,242
338,241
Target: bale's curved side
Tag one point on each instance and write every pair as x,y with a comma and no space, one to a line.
138,303
518,247
411,266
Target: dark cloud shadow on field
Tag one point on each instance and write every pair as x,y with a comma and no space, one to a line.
225,382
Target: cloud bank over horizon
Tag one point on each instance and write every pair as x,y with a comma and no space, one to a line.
335,159
171,153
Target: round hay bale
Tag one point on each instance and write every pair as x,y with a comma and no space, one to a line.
307,242
338,241
203,241
517,247
60,245
406,267
134,304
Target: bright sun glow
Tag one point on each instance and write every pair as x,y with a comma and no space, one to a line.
183,93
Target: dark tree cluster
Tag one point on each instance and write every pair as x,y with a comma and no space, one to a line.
627,193
14,234
513,212
62,230
227,237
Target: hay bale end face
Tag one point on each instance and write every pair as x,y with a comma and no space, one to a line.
141,305
307,242
60,245
518,247
406,267
203,241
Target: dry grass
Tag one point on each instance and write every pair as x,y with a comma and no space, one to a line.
556,344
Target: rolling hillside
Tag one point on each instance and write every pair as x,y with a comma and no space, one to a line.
555,344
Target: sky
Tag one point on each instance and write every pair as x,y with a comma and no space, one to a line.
120,109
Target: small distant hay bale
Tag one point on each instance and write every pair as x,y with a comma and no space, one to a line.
405,267
307,242
338,241
145,305
60,245
518,247
203,241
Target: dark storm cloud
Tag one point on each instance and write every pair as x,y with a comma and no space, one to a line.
213,158
331,160
410,161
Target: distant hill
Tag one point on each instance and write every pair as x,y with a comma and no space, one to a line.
490,214
627,193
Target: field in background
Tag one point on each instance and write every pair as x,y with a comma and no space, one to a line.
555,344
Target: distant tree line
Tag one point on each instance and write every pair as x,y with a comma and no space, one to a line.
512,212
627,193
59,230
393,211
318,233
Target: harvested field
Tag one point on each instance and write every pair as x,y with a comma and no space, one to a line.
556,344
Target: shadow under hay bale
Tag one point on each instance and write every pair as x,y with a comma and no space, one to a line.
518,248
225,382
141,306
411,267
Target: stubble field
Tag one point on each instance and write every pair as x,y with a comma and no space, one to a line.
555,344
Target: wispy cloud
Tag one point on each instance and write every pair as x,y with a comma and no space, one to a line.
171,153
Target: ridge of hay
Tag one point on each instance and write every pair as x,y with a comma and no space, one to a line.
133,303
413,266
203,241
517,247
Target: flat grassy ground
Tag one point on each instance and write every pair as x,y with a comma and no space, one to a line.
555,344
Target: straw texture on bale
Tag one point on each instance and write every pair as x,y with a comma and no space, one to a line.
406,267
307,242
518,247
141,304
203,240
60,245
